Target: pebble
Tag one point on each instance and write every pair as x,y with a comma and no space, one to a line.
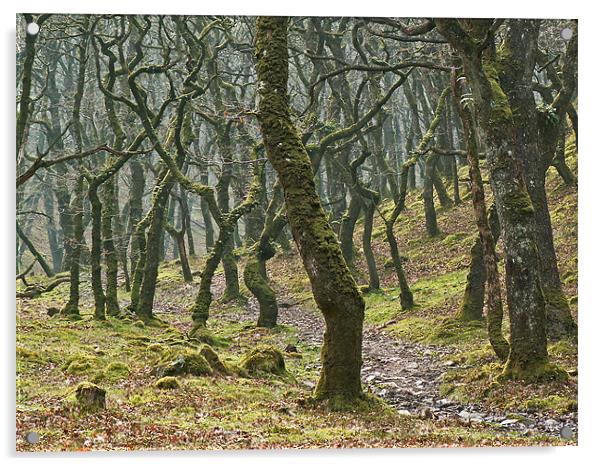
551,424
426,413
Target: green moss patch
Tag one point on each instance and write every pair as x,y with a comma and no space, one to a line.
186,363
264,360
79,364
167,383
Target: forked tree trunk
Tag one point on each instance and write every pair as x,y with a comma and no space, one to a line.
528,356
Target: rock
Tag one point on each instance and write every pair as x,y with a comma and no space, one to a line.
551,424
508,422
285,410
213,359
264,359
52,311
291,349
471,417
444,403
167,383
90,396
412,365
185,363
449,363
370,378
426,413
307,385
404,412
522,419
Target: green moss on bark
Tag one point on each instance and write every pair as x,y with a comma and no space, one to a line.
500,112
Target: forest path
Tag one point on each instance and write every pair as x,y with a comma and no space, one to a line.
407,375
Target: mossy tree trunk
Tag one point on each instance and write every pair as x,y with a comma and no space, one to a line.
136,194
473,300
483,266
348,223
34,252
179,237
369,209
452,159
121,239
206,214
406,298
559,161
528,356
95,253
430,214
370,200
153,246
187,221
25,101
110,200
255,273
76,209
334,289
200,309
439,185
51,230
539,142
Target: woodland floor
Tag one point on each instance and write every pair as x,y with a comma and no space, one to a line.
433,379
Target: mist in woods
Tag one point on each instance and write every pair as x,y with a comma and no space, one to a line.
274,232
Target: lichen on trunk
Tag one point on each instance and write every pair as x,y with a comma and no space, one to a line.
333,287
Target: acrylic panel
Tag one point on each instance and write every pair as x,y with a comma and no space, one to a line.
240,232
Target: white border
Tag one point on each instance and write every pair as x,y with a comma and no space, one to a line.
590,168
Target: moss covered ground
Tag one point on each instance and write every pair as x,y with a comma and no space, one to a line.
272,409
217,411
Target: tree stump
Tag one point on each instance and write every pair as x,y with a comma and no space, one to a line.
91,397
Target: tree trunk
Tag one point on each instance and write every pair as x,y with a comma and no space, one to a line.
537,149
369,208
95,253
430,214
483,264
109,212
34,252
348,223
334,289
526,304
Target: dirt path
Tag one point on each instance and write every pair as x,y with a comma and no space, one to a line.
408,375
